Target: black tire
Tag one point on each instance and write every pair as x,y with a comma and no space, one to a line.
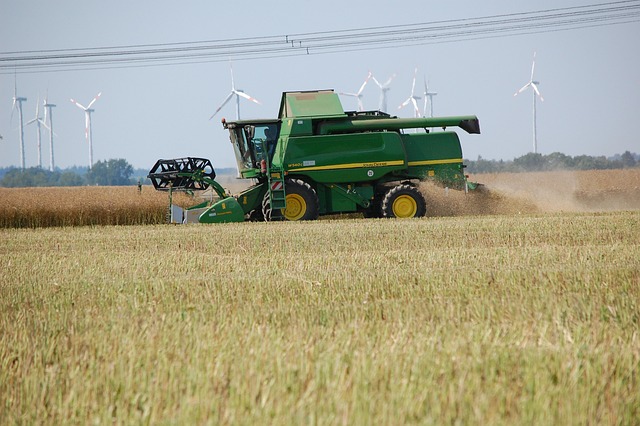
403,201
268,215
302,203
255,216
375,208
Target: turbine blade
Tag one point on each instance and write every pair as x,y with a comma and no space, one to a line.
247,97
533,65
413,85
376,81
222,105
364,84
78,104
44,124
30,121
535,89
389,80
38,106
415,107
94,100
522,89
405,103
233,88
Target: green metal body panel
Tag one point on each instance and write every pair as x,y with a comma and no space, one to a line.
317,103
336,198
251,198
223,211
360,157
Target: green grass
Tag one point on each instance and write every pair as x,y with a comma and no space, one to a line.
486,320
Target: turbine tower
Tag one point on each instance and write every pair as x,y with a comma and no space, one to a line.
428,96
412,98
534,85
384,88
238,94
87,121
49,112
358,94
38,122
17,100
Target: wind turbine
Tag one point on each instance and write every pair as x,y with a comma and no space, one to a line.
384,88
534,85
358,94
87,121
238,94
38,122
18,101
412,98
428,96
49,112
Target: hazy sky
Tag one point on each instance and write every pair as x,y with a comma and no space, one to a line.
590,78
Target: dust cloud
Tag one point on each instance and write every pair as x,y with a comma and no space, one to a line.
522,193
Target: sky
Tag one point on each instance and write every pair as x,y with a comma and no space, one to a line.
590,77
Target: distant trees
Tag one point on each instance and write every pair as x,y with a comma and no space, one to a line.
555,161
109,173
117,172
35,176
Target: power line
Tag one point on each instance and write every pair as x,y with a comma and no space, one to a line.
325,42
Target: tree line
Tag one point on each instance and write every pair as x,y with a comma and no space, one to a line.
555,161
115,172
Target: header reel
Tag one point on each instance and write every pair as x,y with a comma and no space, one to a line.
182,174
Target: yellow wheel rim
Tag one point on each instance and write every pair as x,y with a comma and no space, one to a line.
296,207
404,206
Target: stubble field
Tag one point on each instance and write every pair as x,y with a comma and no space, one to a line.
501,314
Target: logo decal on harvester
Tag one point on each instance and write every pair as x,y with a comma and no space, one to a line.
276,186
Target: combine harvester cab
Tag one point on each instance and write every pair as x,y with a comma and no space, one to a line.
316,159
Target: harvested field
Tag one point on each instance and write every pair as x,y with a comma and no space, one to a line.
497,319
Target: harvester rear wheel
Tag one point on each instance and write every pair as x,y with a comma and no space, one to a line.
404,201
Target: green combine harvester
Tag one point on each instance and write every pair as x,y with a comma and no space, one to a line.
316,159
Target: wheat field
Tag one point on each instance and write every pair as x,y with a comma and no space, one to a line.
503,194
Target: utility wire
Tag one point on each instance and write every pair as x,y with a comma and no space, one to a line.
325,42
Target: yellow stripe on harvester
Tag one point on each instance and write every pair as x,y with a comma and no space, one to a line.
431,162
350,166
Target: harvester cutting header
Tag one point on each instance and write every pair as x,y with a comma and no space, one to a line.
316,159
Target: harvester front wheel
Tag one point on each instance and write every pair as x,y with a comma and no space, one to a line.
302,203
404,201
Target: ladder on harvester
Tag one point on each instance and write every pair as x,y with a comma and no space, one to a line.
277,194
